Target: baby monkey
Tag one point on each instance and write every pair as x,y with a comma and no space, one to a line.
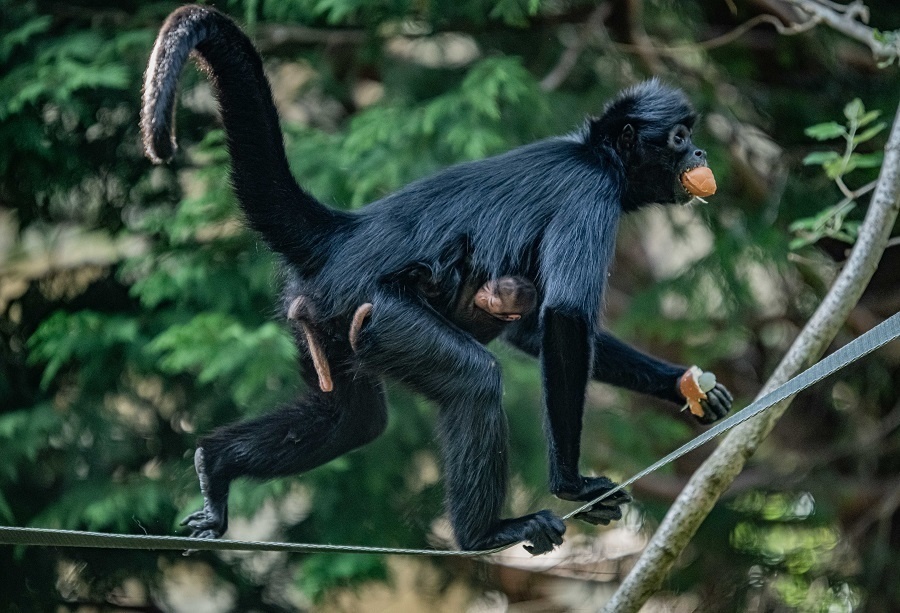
482,311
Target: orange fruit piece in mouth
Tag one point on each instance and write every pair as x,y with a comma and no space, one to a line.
699,181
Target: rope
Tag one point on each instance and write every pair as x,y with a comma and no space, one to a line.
882,334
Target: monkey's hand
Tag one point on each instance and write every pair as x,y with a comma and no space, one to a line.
211,521
603,512
717,404
707,400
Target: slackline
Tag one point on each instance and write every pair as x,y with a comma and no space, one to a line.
859,347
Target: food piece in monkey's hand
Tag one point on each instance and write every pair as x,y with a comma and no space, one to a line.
699,181
693,385
301,312
707,399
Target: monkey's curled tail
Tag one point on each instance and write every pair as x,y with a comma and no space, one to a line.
291,220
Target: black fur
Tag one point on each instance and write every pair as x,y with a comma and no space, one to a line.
547,212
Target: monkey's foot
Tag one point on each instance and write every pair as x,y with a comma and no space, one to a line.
543,530
507,298
211,521
603,512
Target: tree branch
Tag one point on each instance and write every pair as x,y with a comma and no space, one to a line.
573,51
720,469
850,19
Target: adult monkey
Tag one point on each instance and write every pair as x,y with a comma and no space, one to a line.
547,213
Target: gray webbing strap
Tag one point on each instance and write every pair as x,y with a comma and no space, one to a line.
865,344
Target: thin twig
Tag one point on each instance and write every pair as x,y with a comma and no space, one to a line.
845,19
728,37
569,58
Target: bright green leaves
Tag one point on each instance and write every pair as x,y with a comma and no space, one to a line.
387,146
859,128
830,221
61,67
65,337
835,164
252,363
825,131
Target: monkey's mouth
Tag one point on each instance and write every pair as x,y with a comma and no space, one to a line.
698,181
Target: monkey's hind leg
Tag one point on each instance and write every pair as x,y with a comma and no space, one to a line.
311,431
412,344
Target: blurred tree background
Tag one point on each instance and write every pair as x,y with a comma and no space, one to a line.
137,313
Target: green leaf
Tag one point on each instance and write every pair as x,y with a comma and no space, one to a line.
817,158
869,133
869,118
836,168
65,337
867,160
854,110
6,513
825,131
21,35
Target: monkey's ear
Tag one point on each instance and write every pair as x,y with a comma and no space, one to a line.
626,138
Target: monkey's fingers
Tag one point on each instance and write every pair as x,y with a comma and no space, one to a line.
545,532
717,404
320,362
193,517
620,497
600,514
359,318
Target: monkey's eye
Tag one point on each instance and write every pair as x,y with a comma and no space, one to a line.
678,137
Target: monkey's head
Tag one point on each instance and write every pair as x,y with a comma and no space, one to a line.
648,127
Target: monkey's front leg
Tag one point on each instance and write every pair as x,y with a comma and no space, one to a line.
621,365
566,356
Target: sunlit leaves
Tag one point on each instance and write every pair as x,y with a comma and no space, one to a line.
250,362
64,337
389,145
832,220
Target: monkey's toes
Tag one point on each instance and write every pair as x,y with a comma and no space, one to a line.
600,514
544,531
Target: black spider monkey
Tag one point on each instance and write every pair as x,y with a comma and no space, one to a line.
541,219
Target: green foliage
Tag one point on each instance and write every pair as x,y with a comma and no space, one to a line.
114,362
832,221
215,347
63,338
23,434
324,572
834,164
385,147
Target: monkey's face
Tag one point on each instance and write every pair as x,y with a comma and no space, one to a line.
686,157
657,164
